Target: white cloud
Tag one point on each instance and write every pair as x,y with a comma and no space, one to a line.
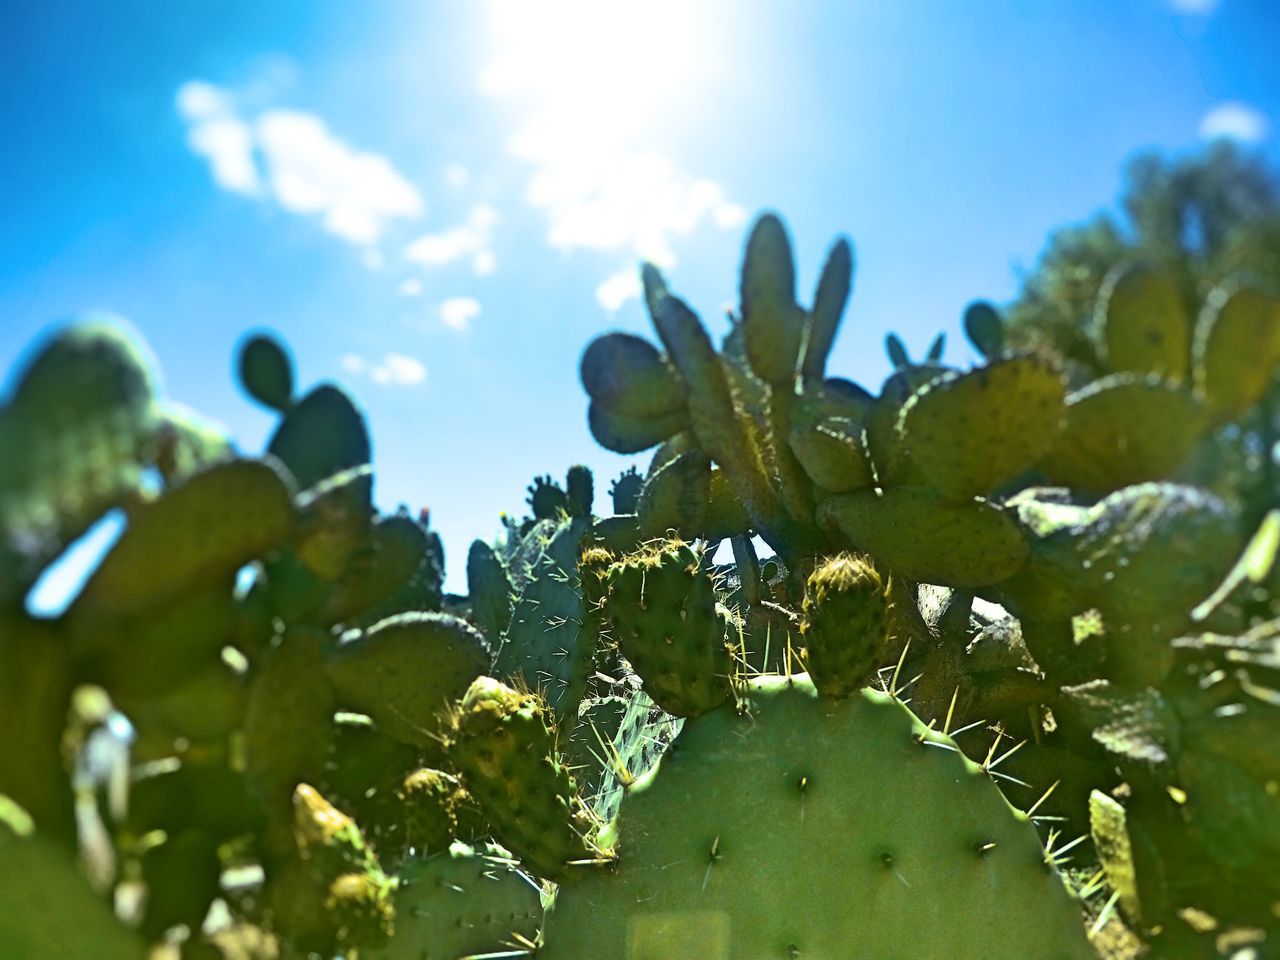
293,159
457,176
469,239
395,369
456,313
616,290
484,263
218,135
1234,121
583,73
411,287
312,171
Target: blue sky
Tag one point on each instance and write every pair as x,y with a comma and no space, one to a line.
440,204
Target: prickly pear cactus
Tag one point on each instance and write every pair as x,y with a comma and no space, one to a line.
504,743
660,605
845,625
461,903
899,846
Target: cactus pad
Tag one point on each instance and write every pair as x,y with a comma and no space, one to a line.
266,372
503,741
970,433
661,606
844,625
627,375
920,535
404,670
1125,428
803,827
1237,347
464,902
1144,322
188,538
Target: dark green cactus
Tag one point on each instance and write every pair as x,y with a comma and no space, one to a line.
256,682
844,627
504,743
661,607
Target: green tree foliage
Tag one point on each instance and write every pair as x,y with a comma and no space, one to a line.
1208,216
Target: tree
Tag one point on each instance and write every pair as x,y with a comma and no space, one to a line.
1209,215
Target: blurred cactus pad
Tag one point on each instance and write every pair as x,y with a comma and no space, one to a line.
982,662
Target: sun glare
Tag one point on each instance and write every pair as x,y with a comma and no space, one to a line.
592,82
608,65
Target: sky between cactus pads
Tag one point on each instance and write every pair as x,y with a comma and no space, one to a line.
440,204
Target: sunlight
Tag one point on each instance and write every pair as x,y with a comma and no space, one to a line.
594,81
598,69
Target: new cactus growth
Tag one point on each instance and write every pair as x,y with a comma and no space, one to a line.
661,608
504,743
845,625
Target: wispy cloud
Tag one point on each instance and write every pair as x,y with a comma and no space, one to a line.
220,136
456,313
292,159
584,74
470,239
394,369
617,289
1198,7
1234,121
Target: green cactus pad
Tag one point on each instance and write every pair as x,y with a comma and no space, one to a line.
288,728
803,827
580,491
1150,550
207,707
675,496
1123,429
625,491
660,605
828,307
549,642
921,535
771,320
625,434
394,551
404,670
190,537
844,626
322,434
266,372
984,328
627,375
970,433
464,902
490,589
831,452
503,742
1144,322
47,909
73,442
36,683
1237,347
209,796
546,499
883,440
181,875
